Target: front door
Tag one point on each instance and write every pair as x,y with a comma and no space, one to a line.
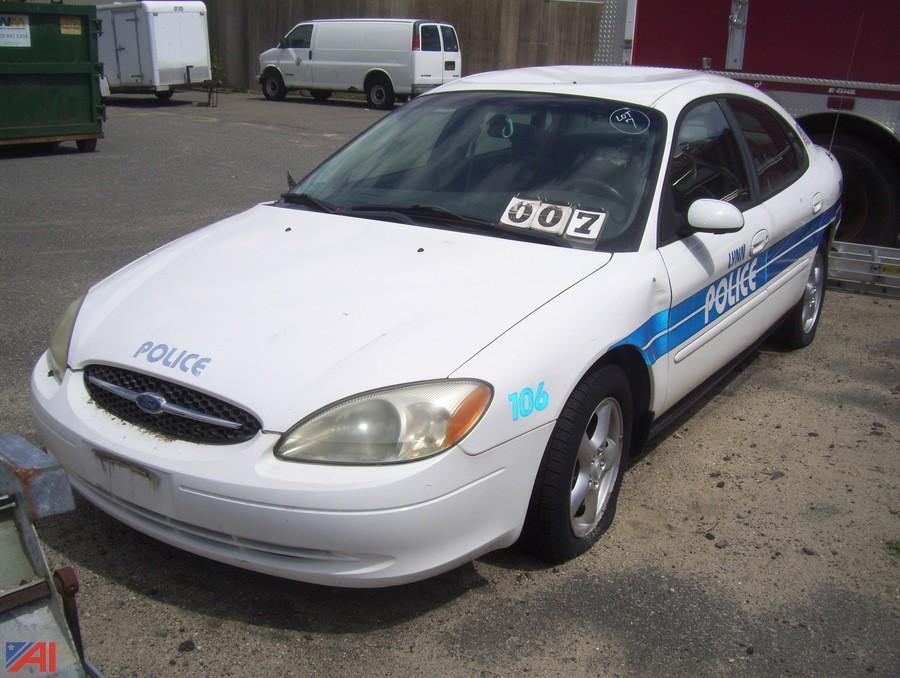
295,59
716,278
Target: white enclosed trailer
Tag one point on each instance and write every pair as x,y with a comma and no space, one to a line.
154,46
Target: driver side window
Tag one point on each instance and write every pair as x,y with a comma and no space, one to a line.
300,37
706,162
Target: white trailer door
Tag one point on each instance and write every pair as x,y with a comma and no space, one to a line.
128,48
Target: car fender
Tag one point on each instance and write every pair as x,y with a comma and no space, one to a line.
535,365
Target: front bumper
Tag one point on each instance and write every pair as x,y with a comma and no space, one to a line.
239,504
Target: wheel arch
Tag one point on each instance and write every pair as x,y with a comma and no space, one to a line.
375,73
272,68
856,126
630,360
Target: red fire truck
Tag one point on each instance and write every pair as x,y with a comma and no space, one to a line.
834,64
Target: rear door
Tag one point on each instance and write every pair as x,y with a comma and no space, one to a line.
428,60
128,48
452,56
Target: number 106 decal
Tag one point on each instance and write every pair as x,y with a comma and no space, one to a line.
551,217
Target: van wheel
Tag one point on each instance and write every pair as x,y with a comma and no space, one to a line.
273,87
574,497
379,93
320,94
165,94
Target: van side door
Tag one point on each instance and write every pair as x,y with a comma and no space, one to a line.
295,60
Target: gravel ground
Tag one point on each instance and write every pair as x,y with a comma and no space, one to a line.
755,538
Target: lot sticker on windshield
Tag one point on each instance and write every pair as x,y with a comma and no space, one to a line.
629,121
553,217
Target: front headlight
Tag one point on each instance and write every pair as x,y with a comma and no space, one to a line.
61,337
397,424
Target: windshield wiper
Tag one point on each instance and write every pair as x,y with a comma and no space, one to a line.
446,217
307,200
423,212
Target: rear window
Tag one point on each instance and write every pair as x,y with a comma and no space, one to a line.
450,42
431,39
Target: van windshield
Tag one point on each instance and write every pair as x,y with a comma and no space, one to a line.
574,170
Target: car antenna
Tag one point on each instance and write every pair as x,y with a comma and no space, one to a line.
862,16
291,181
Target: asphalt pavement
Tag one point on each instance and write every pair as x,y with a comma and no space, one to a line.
760,537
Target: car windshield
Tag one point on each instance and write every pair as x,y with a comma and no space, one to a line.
563,169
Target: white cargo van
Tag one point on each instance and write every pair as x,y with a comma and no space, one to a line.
153,46
385,58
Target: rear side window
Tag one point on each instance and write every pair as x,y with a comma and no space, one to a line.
300,37
778,155
450,42
431,39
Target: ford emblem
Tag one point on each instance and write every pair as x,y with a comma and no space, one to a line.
151,403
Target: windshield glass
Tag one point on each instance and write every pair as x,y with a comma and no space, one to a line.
576,169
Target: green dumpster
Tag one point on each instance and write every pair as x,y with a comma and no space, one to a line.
49,87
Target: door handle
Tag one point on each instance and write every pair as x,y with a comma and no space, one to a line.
759,242
817,203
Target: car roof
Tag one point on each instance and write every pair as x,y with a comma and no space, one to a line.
664,88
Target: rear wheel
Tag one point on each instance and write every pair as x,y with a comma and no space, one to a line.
273,87
379,93
798,329
320,94
871,200
577,487
164,94
86,145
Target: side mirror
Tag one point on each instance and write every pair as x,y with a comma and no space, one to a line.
714,216
281,44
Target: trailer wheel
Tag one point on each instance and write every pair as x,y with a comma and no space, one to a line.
86,145
379,93
164,94
320,94
273,87
871,200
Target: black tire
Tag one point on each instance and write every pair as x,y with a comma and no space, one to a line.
273,87
320,94
553,531
86,145
871,200
380,93
165,94
798,328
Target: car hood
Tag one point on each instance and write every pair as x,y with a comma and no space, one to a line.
296,309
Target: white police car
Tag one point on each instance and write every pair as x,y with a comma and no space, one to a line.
452,333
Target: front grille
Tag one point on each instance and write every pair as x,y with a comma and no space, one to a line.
170,425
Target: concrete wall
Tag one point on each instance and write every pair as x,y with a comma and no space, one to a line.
493,33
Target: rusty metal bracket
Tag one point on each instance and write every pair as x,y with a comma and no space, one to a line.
66,582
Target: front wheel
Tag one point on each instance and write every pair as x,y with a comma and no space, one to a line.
273,87
574,498
798,329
